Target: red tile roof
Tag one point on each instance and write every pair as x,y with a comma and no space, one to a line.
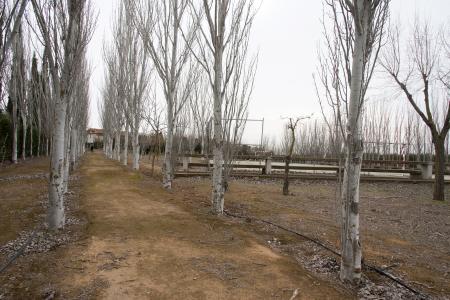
95,131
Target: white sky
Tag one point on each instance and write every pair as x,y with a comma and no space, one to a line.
286,33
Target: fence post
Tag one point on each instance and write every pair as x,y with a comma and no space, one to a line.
426,169
269,165
185,163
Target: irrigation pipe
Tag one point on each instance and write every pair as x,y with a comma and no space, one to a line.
319,243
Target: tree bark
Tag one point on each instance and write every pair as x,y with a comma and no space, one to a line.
136,143
351,245
286,176
117,145
67,146
125,146
217,180
292,126
439,169
73,149
24,137
14,126
39,145
156,151
31,139
56,216
47,146
168,169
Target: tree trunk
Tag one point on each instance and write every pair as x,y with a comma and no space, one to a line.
117,146
202,152
136,144
106,144
24,137
125,146
286,176
73,149
39,133
31,139
47,146
56,216
14,133
168,169
67,146
110,148
292,127
218,187
153,163
156,151
439,169
351,245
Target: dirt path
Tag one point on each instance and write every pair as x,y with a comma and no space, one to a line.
141,243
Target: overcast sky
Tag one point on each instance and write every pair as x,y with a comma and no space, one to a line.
286,34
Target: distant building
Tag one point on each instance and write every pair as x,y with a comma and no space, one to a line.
94,137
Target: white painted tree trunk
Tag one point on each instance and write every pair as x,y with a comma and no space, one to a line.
136,150
125,146
67,146
168,169
81,144
73,149
351,244
106,147
56,216
14,135
203,144
217,180
117,146
136,147
110,148
24,137
39,145
31,139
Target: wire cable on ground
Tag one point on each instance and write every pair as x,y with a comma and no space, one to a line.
319,243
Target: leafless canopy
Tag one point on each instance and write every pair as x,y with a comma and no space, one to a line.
335,56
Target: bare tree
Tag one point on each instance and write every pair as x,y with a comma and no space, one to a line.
352,46
221,39
118,84
137,77
17,88
23,101
427,55
201,110
291,127
235,107
160,24
11,13
66,29
153,115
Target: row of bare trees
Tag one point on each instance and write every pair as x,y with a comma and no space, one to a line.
127,84
392,131
49,93
199,52
64,30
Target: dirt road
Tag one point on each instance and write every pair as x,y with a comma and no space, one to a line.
142,243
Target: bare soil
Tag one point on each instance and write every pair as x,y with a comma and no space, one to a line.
127,238
403,231
137,241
